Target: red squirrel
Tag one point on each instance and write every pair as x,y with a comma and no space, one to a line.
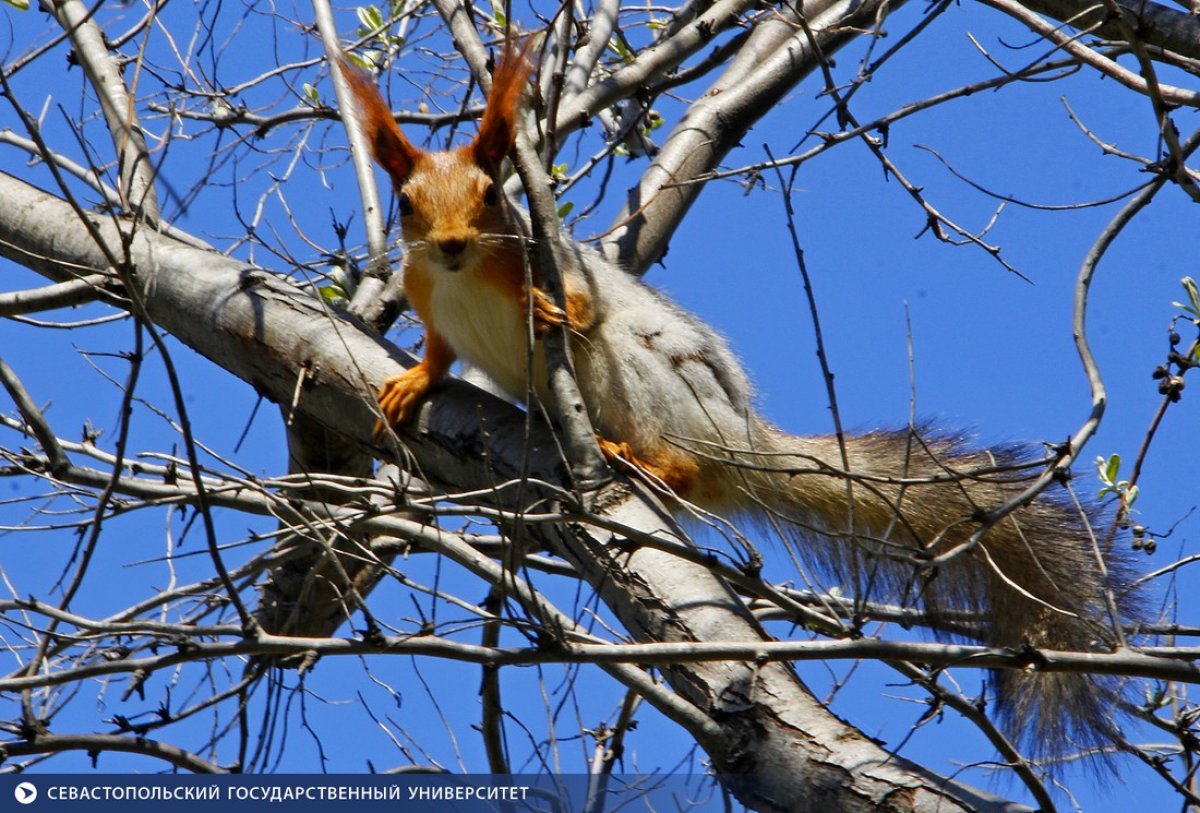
665,394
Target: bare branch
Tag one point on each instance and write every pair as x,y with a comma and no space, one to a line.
1158,25
60,295
365,302
95,743
1088,56
774,58
133,158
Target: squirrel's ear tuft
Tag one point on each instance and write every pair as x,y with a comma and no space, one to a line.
498,130
391,149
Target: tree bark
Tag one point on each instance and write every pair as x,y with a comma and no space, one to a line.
1158,25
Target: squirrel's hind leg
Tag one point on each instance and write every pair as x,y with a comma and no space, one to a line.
674,470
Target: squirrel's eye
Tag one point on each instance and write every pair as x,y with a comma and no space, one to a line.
491,196
405,204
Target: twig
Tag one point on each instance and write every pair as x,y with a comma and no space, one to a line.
378,269
51,297
100,65
56,458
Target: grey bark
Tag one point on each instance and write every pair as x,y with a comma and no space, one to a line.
1158,25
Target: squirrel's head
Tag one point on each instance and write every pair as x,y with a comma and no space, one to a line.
451,208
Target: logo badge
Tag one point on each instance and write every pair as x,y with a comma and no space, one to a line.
25,792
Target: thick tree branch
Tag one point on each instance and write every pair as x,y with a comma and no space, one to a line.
1109,67
652,63
776,56
1157,25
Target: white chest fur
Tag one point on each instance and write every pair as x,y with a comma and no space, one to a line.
488,331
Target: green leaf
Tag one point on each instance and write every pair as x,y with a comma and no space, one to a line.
364,61
1192,308
311,94
20,5
370,18
1193,293
334,295
1113,468
617,46
565,209
498,13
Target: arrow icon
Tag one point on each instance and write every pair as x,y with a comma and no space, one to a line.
25,793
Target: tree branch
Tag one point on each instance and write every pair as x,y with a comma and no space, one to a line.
1157,25
133,158
773,60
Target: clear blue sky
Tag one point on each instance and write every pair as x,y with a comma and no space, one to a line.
991,353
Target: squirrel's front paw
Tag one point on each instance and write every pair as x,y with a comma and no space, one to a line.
545,313
399,397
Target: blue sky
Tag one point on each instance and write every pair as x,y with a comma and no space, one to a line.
992,353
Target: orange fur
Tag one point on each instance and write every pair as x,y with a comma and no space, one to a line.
580,313
446,214
418,286
394,152
678,472
401,394
497,130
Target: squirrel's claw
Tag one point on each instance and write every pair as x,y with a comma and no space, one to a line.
399,397
613,451
676,475
546,314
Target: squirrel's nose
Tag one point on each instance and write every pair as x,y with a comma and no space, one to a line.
452,246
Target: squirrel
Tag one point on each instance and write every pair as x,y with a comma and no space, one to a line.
671,401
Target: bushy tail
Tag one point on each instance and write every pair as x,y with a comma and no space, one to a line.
893,519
